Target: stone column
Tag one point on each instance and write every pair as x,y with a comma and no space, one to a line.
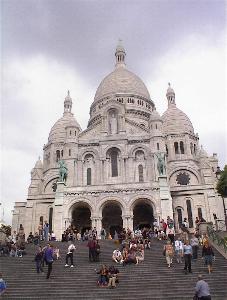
127,221
166,199
58,222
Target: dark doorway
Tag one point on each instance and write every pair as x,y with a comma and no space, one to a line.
143,216
81,218
112,218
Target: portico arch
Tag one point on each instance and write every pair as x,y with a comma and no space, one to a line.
81,216
112,217
143,213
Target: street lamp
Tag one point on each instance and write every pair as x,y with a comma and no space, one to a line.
218,175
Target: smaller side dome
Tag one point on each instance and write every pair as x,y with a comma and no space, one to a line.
38,164
175,121
202,153
58,131
155,116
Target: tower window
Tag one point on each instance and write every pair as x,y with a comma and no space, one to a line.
57,155
189,210
88,176
191,148
69,152
181,147
140,169
70,132
176,147
114,167
157,146
61,153
166,150
75,133
156,126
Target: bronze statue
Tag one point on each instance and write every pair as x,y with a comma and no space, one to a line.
63,171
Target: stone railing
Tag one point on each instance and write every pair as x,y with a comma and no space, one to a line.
219,242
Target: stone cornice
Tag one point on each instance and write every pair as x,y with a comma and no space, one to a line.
112,191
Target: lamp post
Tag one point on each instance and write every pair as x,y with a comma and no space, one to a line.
218,175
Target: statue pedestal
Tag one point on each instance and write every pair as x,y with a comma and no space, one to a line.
58,224
165,197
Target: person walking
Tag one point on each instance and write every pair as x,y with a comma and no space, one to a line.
38,260
179,250
202,290
208,255
168,251
195,246
49,258
91,246
69,254
187,257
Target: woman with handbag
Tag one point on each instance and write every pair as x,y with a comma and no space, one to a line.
168,252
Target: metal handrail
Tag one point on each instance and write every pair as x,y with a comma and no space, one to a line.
221,242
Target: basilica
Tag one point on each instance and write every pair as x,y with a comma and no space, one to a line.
129,167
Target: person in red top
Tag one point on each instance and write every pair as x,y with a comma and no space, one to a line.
92,247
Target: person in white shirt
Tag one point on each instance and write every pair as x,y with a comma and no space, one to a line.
69,254
117,256
179,250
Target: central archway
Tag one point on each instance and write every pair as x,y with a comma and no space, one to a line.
81,217
143,214
112,218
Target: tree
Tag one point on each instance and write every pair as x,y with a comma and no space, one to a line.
222,183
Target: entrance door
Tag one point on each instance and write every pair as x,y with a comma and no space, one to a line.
143,215
81,218
112,218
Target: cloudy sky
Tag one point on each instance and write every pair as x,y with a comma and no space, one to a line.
49,47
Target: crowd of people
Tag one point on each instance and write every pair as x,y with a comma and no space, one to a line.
130,248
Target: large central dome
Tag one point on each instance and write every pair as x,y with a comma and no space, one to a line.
121,81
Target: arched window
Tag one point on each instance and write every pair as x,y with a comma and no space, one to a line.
200,214
114,166
189,210
50,218
140,169
75,133
179,216
70,132
194,149
191,148
69,152
57,155
166,150
181,147
41,220
176,147
88,176
61,153
156,126
157,146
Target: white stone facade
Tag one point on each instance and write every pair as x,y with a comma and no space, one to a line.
114,163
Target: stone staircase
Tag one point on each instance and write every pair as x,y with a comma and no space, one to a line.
148,280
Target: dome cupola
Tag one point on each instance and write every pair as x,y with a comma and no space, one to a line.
59,130
175,121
